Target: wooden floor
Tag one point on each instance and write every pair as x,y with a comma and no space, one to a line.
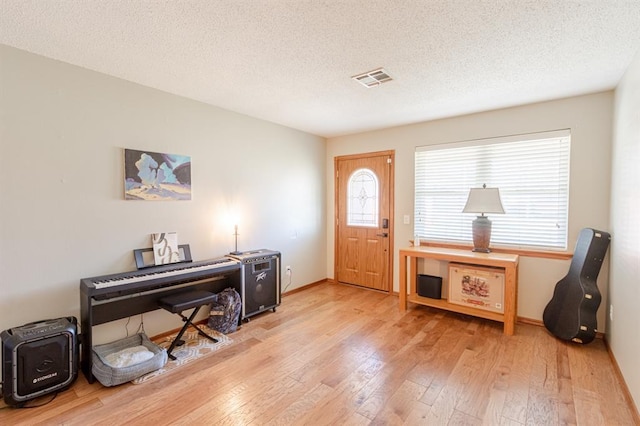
335,354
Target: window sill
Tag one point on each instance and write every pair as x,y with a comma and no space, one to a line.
547,254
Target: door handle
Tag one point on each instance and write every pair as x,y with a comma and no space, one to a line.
384,234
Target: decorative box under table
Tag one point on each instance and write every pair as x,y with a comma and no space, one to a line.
477,287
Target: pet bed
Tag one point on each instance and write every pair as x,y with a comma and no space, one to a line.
126,359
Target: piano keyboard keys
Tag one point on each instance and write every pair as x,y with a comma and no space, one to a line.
142,275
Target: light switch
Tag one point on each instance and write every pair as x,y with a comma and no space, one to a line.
407,219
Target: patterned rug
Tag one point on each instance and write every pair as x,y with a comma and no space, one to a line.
195,347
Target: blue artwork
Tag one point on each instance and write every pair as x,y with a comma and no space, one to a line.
156,177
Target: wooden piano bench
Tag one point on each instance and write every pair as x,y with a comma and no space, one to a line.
178,303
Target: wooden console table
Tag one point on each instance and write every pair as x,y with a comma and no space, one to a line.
508,262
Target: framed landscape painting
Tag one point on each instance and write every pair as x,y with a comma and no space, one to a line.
154,176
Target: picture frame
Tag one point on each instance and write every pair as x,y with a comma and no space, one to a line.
154,176
477,287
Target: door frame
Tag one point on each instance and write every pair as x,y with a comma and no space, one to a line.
336,207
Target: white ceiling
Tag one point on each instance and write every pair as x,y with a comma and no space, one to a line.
290,61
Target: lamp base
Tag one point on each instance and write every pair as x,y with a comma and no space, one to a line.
481,228
481,250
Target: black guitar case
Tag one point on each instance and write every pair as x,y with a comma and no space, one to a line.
571,313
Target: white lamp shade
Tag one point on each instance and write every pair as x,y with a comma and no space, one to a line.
483,200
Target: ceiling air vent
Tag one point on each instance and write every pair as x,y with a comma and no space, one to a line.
373,78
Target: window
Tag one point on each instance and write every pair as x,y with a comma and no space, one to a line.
362,199
531,172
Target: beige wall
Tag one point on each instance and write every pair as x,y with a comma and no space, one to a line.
624,288
62,212
588,117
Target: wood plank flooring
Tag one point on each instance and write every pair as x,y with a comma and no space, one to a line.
336,354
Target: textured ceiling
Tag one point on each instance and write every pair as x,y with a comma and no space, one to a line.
290,61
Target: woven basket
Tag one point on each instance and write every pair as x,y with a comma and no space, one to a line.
112,376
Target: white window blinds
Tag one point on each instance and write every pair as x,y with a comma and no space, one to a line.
531,172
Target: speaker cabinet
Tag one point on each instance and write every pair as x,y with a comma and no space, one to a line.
38,358
261,289
429,286
260,281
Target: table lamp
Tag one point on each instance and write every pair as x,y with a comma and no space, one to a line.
483,200
235,234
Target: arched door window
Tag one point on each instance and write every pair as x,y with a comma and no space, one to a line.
362,198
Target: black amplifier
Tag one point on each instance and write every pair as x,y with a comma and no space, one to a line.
38,358
260,281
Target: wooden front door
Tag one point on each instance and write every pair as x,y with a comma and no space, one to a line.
364,219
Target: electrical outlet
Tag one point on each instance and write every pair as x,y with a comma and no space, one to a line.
288,270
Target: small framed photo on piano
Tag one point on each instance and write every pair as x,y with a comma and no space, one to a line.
165,247
144,257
